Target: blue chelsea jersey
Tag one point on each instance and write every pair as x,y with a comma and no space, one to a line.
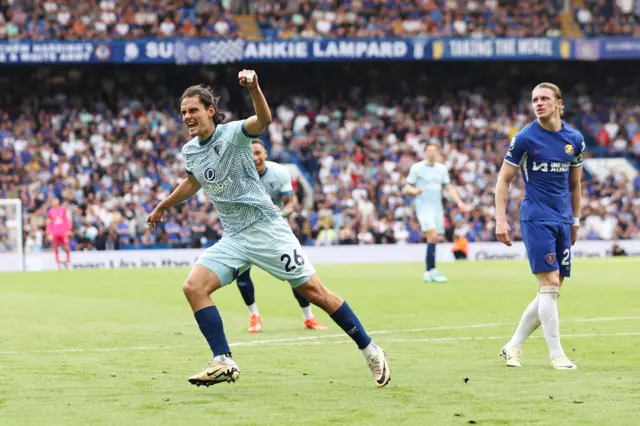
545,158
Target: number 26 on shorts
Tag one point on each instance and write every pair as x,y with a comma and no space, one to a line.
298,259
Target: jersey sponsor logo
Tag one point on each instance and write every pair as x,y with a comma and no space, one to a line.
550,258
554,167
220,186
569,149
210,175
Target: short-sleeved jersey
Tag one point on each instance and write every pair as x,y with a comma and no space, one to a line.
545,158
59,222
431,178
277,182
223,165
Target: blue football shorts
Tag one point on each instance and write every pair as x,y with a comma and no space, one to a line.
548,246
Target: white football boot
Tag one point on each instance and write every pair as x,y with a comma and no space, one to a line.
221,369
512,355
563,363
379,367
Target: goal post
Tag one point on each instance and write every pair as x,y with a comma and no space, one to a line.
12,257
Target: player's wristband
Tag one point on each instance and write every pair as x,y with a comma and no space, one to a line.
576,221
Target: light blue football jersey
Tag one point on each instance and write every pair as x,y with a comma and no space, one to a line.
431,179
277,182
223,165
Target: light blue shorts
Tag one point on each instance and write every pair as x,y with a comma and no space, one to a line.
431,220
269,245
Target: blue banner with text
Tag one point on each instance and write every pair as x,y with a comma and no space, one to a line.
205,51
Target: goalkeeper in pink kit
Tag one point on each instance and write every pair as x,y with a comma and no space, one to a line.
58,229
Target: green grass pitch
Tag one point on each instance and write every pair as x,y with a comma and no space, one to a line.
115,347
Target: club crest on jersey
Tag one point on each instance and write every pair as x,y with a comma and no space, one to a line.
216,149
569,149
210,175
550,258
512,144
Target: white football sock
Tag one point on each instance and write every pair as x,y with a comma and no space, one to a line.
528,324
253,309
306,313
548,313
369,350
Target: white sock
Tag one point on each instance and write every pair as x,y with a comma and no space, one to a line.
528,324
253,309
371,349
306,313
548,313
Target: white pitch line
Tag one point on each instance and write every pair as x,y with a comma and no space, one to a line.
448,339
313,339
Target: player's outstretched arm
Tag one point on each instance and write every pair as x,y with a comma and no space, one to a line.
187,188
255,124
506,175
575,188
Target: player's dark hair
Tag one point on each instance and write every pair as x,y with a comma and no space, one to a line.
259,142
207,98
556,91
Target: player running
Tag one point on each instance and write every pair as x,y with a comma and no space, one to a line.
425,181
277,182
58,229
219,159
549,152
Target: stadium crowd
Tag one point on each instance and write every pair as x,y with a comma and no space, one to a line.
406,18
114,19
108,144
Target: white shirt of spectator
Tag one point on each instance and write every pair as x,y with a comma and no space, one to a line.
365,237
612,129
63,17
411,26
285,114
620,144
584,15
300,122
108,18
460,27
107,5
603,227
400,232
122,29
221,27
626,6
167,27
100,26
323,26
50,7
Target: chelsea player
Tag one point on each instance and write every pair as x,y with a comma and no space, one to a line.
549,152
277,182
219,160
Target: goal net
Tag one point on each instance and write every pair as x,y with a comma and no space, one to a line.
11,237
